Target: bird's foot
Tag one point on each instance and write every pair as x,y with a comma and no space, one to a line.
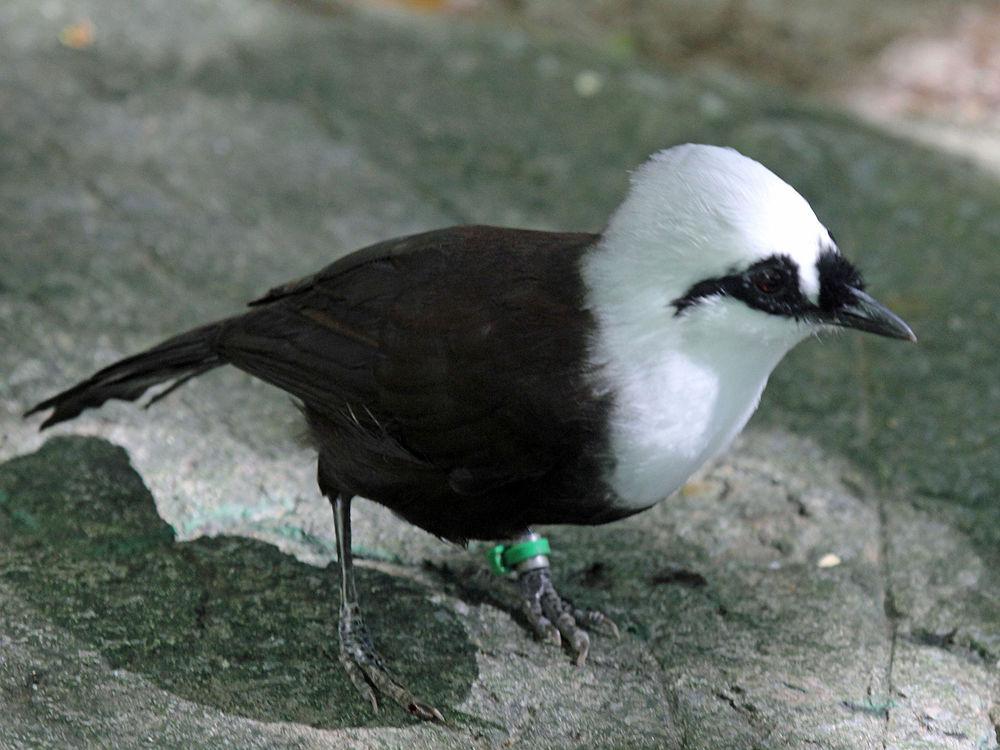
555,619
368,672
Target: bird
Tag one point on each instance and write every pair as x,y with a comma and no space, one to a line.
480,381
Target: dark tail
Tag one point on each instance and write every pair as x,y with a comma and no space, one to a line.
178,359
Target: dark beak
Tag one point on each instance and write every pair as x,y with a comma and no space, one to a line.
868,314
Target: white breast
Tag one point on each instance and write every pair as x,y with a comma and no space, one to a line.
672,412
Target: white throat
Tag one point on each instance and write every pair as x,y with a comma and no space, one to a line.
682,387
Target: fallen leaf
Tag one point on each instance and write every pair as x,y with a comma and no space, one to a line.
829,561
79,35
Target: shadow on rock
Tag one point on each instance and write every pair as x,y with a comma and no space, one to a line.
227,622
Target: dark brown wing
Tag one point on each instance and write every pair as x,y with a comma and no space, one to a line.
463,348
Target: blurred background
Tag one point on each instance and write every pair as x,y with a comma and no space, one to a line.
926,69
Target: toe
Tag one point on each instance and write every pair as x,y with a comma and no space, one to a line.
555,619
541,625
360,680
388,686
370,676
575,637
571,634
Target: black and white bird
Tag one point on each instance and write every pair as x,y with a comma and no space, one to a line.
479,380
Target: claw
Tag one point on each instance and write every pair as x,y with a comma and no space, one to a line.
555,638
598,622
425,712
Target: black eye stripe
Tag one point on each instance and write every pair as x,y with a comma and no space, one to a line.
837,277
724,285
779,272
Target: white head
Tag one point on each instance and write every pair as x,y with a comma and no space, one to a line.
728,250
708,273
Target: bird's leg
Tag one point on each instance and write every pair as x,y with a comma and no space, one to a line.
362,663
551,617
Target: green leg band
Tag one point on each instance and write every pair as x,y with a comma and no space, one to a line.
529,552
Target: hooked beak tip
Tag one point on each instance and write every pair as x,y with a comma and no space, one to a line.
868,314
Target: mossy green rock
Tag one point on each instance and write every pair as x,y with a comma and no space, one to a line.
230,623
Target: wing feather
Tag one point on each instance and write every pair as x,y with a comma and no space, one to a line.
456,345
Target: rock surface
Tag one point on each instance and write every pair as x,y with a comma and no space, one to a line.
185,156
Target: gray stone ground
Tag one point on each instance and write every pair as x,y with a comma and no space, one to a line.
196,153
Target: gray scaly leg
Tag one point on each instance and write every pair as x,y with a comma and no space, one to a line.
364,666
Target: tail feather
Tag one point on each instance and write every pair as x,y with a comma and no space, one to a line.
179,359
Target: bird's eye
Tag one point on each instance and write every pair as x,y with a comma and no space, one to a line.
769,280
